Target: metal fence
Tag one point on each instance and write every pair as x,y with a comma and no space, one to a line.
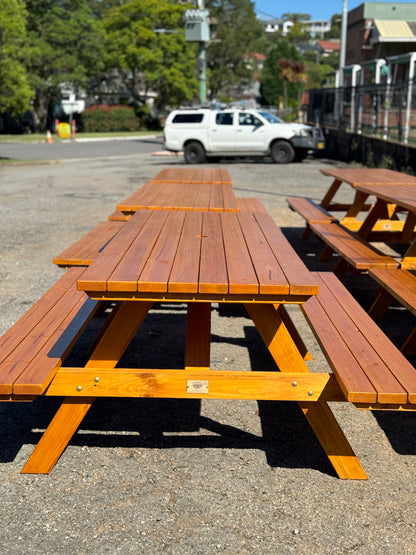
387,111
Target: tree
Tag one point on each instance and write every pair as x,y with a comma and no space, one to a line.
335,31
15,92
146,44
237,36
296,17
66,48
277,84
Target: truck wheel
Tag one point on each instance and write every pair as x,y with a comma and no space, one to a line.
194,153
282,152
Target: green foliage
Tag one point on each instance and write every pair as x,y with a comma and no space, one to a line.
147,58
298,33
66,48
15,92
109,118
272,85
237,36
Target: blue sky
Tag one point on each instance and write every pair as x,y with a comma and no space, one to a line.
318,9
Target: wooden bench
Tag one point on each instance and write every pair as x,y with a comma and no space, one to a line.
311,212
83,251
33,349
370,370
352,249
395,284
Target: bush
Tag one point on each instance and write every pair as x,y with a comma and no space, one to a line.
105,118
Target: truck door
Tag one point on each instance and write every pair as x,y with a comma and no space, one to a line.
250,133
222,132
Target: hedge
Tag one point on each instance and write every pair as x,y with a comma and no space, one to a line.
105,118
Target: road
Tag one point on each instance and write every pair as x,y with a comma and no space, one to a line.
82,149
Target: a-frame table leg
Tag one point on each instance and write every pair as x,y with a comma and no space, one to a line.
320,417
69,416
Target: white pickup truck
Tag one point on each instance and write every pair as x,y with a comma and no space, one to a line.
202,133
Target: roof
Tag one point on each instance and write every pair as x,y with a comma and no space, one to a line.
329,45
394,31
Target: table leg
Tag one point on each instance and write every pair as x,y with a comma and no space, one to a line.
326,201
288,359
198,336
107,353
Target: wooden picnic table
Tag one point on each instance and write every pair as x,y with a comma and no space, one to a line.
211,176
391,201
356,177
197,258
181,196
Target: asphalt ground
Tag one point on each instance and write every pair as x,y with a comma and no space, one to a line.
184,477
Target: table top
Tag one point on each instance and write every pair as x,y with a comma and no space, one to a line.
206,256
402,195
219,176
367,176
181,196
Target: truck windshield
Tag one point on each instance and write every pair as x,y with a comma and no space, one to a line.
270,117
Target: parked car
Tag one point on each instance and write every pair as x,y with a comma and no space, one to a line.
204,133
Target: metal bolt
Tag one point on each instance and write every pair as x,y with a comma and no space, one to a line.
310,393
97,379
79,388
294,384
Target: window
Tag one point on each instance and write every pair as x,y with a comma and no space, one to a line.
188,118
248,119
224,118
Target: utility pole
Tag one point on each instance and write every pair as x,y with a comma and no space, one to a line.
197,30
343,46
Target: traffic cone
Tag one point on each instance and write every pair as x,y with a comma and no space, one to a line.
48,137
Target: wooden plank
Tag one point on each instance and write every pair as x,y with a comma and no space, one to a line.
301,281
213,277
185,269
98,273
309,210
389,371
400,284
354,383
270,275
129,268
359,254
83,251
118,216
157,268
250,204
175,384
241,274
37,376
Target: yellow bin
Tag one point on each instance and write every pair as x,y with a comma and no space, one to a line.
64,130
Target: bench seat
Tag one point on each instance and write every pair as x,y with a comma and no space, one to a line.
354,250
310,211
369,368
33,349
83,251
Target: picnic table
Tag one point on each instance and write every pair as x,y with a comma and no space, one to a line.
390,201
197,258
356,177
200,257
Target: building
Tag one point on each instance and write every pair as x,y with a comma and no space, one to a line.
380,30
